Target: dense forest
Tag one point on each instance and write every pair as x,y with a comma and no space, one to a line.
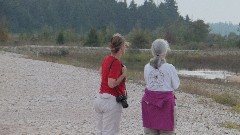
92,22
31,15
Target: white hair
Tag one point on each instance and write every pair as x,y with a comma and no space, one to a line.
159,48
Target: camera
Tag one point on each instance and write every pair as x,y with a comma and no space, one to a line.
123,100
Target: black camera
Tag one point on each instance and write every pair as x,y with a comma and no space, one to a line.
123,100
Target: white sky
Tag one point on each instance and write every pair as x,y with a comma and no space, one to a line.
211,11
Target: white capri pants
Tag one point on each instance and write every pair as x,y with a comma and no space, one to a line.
108,114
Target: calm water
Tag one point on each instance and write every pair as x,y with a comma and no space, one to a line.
206,74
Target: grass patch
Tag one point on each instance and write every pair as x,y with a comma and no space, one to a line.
204,101
191,61
194,89
136,60
135,76
231,125
236,108
225,99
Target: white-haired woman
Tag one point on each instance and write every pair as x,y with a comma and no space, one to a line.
158,100
113,74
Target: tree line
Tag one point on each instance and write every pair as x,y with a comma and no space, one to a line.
32,15
93,21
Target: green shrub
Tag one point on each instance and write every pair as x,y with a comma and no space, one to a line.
238,43
92,38
60,38
4,30
140,59
139,38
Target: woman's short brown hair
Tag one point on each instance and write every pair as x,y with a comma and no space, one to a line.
117,41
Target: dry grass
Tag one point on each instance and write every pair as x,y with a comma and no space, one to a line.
213,89
236,108
135,76
192,88
225,99
231,125
191,61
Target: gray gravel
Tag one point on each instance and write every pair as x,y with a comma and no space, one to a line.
44,98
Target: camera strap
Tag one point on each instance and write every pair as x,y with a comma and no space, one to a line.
109,71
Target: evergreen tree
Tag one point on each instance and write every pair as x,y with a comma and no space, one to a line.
139,39
199,31
187,18
92,38
132,14
133,6
60,38
4,29
171,11
238,29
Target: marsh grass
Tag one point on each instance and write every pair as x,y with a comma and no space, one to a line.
225,99
190,61
192,88
135,76
231,125
199,87
236,108
136,59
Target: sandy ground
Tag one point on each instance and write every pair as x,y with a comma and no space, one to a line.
43,98
234,78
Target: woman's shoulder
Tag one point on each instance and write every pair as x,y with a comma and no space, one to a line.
168,65
111,58
114,61
147,65
107,58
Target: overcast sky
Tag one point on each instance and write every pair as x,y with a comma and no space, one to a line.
211,11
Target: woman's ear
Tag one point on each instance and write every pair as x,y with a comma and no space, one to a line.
122,48
164,55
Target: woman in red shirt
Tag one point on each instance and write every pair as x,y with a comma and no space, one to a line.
113,74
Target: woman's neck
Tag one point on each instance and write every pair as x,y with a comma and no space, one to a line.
116,55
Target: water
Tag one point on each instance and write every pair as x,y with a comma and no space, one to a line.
206,74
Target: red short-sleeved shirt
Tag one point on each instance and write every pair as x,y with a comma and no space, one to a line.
114,72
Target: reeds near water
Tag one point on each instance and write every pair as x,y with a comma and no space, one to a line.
228,60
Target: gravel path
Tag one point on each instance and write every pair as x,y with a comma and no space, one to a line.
43,98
